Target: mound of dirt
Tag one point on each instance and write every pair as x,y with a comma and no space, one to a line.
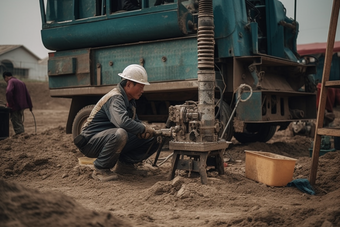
42,183
48,161
22,206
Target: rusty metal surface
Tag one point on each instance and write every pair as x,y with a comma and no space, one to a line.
206,72
206,104
265,106
69,70
175,86
197,162
198,147
62,66
99,73
275,74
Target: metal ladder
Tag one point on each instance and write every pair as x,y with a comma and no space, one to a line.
325,84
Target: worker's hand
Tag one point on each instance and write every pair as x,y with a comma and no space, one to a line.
147,134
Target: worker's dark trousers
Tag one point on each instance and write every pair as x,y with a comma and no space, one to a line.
17,122
110,145
137,150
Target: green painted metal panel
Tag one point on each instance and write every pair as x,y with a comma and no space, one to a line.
69,69
65,81
166,21
62,66
251,110
172,60
275,35
231,36
254,38
164,61
281,40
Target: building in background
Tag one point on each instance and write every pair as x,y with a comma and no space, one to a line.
22,63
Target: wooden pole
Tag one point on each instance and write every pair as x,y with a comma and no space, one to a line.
323,92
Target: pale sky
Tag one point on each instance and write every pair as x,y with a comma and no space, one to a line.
20,22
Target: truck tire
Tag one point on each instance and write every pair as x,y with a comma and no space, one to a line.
256,133
223,117
80,119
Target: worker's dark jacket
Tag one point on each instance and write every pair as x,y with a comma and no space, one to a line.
113,110
17,95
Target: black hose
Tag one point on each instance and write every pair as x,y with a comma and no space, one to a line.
35,123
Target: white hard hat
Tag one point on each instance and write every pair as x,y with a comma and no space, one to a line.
135,73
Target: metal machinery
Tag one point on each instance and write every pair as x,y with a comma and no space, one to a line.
196,132
199,50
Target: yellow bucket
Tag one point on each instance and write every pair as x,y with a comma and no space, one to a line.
268,168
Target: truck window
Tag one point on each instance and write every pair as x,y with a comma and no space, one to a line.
58,11
68,10
118,5
61,11
89,8
161,2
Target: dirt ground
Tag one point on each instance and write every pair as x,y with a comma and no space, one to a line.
42,183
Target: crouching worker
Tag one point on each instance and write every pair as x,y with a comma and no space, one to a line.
113,133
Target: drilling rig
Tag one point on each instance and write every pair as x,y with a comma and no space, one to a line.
197,54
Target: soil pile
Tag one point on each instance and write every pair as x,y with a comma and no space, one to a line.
23,206
42,183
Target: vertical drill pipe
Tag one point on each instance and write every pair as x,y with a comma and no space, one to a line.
205,36
206,72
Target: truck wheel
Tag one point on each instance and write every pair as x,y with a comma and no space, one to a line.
223,117
80,119
256,133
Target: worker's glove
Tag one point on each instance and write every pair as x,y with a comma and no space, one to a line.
147,134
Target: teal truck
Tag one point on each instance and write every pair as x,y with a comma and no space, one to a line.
254,43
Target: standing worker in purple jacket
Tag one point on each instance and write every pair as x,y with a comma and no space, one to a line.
18,99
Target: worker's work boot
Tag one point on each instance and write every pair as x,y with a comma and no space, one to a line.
126,168
104,175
